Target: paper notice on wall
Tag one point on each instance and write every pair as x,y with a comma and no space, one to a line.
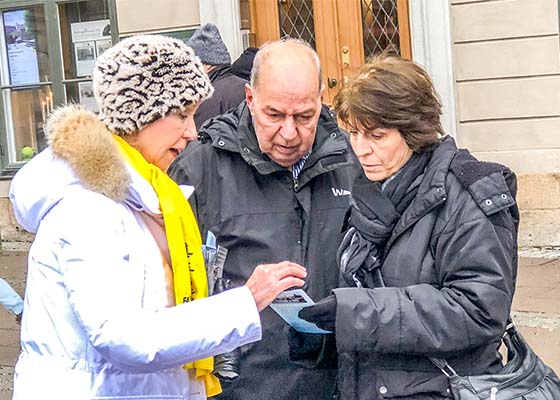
90,40
90,30
85,94
85,58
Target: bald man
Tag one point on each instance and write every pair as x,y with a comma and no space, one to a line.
272,181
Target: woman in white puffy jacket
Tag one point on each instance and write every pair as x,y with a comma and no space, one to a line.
116,305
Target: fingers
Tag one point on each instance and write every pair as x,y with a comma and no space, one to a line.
269,280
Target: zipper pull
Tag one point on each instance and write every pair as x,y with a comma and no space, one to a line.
296,183
493,392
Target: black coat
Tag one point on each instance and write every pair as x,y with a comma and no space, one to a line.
261,215
229,92
450,271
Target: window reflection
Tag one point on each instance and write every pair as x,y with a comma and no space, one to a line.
25,80
85,34
29,109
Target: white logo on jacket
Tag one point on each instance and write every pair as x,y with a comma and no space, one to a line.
340,192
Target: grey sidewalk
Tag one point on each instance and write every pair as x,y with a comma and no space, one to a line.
536,310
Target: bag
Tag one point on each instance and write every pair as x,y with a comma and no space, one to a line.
524,377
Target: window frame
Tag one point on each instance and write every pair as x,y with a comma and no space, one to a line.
57,80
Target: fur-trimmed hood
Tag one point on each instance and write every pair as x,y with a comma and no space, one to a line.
82,153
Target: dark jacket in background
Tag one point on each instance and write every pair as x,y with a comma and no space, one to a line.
261,215
229,91
243,65
450,272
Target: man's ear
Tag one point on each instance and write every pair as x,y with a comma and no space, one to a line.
249,95
322,92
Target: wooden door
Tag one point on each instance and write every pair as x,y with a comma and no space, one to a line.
343,32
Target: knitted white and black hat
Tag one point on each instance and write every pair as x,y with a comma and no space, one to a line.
144,78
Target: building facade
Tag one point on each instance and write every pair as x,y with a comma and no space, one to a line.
495,63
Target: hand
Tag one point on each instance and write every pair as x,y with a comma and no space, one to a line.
269,280
322,314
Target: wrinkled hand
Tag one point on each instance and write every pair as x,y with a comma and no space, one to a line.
269,280
322,314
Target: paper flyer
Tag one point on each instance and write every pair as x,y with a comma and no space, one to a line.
289,303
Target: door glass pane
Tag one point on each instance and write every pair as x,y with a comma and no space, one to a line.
25,80
296,20
85,33
380,26
82,93
25,39
29,109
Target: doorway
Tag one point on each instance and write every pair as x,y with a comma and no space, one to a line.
343,32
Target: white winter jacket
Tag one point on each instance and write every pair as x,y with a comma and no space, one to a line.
95,324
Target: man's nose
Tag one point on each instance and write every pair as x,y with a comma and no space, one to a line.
289,130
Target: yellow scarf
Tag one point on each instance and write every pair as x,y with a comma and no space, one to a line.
185,246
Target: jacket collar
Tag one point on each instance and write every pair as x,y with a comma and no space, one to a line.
77,137
234,132
431,192
221,71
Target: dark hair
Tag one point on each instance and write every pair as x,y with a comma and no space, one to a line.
390,92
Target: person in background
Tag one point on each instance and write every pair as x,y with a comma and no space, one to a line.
11,300
244,63
229,89
430,257
116,301
272,181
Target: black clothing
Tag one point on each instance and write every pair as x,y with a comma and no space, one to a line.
322,314
449,264
243,65
229,92
376,209
262,215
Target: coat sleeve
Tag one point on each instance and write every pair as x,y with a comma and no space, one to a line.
105,290
478,261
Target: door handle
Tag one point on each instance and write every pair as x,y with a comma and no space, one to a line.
332,82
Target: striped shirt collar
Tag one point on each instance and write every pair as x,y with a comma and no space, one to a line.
297,167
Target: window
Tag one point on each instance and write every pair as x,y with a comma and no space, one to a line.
25,81
85,33
47,52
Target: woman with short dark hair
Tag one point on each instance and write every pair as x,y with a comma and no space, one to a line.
430,257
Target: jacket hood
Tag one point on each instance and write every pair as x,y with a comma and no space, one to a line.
81,153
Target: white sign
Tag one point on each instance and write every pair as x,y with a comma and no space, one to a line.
85,57
90,40
90,30
21,48
87,99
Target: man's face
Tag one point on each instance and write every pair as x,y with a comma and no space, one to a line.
285,105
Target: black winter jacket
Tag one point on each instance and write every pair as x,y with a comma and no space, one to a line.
261,215
450,268
229,92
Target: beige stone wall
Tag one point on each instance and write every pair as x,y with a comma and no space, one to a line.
145,15
507,72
